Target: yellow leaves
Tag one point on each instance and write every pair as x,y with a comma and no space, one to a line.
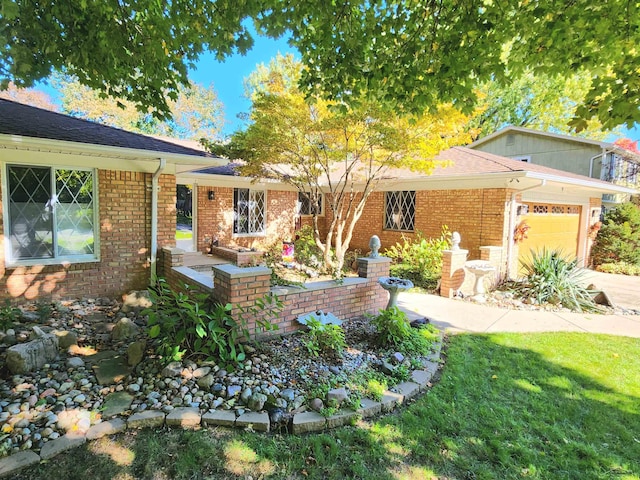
6,428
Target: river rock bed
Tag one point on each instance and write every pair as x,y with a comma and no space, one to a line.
92,379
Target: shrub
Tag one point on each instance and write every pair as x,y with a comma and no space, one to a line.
620,268
306,252
420,259
8,316
619,237
188,324
324,338
553,277
392,326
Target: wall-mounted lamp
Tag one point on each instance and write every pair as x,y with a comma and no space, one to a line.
211,195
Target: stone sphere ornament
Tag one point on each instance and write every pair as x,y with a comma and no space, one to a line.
374,245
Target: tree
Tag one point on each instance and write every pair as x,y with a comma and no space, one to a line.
619,238
342,153
29,96
410,55
195,114
542,102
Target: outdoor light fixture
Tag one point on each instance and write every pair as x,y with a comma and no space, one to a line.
211,195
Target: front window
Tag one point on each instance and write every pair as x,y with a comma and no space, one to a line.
249,211
306,205
51,214
400,211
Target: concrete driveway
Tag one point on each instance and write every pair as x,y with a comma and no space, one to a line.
623,290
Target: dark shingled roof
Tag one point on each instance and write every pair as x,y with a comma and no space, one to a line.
24,120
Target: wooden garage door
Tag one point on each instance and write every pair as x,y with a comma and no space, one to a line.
552,226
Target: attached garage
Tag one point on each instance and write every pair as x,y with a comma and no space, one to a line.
551,226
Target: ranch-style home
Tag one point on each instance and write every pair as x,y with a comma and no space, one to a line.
85,207
485,197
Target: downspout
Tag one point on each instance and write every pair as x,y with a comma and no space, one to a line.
512,223
154,221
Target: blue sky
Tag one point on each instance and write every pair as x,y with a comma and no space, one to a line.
228,77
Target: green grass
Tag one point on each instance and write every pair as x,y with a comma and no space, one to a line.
507,406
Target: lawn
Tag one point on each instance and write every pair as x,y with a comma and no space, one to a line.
507,406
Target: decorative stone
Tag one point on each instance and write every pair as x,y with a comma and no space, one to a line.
337,396
341,419
391,400
233,390
308,422
65,338
173,369
124,329
408,389
9,466
206,381
256,401
136,300
397,358
316,404
374,245
148,418
185,417
256,421
421,377
223,418
135,352
369,408
75,362
59,445
112,370
27,357
201,372
110,427
116,403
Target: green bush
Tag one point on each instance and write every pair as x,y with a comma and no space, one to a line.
392,326
620,268
8,316
188,324
306,252
420,259
324,338
550,276
619,238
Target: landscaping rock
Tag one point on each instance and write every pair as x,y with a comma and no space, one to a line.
397,358
184,417
59,445
256,401
316,404
75,362
135,353
9,466
27,357
308,422
109,427
206,381
124,329
66,338
337,396
135,301
255,421
173,369
146,419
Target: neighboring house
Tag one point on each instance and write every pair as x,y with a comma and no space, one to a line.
483,196
85,207
592,158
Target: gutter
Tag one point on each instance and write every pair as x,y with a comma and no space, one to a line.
512,223
154,221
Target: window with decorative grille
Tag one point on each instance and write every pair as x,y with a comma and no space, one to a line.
306,206
249,211
400,210
51,214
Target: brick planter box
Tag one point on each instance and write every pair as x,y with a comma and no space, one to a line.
239,258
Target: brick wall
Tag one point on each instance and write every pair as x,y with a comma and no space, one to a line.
215,219
124,200
242,286
480,215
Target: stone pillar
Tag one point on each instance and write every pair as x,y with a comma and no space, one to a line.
373,268
453,272
240,287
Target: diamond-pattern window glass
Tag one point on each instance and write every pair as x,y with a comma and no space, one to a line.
400,210
74,212
557,209
249,210
306,206
540,209
51,213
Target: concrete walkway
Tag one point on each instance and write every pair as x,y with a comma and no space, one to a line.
623,290
462,316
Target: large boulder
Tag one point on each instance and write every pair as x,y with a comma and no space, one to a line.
30,356
124,329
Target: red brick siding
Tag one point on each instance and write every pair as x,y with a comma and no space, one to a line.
124,200
215,218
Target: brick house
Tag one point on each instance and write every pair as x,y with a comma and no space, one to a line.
483,196
85,207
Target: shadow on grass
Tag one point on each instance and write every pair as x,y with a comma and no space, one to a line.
506,406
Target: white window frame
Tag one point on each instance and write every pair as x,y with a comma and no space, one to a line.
10,261
309,213
252,193
391,224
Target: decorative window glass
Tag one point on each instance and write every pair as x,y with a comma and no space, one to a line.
573,210
540,209
249,211
400,210
306,206
557,209
51,214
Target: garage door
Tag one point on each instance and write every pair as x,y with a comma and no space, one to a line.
551,226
